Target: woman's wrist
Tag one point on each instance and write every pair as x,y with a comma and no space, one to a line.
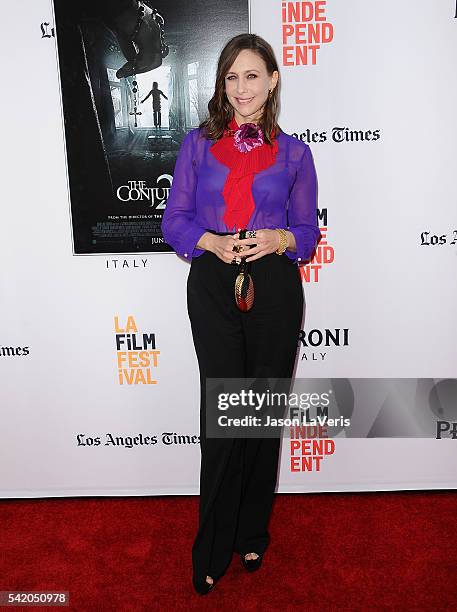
284,240
291,245
206,241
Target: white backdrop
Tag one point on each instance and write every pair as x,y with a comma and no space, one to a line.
390,68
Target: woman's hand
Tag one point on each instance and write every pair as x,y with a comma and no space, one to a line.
266,241
222,246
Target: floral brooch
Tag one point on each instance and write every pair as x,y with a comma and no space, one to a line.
248,137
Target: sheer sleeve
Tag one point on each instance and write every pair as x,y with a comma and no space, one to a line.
179,228
302,209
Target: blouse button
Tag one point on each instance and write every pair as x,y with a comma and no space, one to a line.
299,259
185,254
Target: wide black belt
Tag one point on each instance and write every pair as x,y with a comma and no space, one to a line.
221,233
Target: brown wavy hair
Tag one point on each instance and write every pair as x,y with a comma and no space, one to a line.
220,110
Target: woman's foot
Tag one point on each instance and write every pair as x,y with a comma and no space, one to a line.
251,561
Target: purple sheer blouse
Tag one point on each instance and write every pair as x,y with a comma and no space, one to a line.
196,204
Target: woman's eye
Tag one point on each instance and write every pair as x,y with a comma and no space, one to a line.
229,78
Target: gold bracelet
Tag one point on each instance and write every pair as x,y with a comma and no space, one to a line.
283,242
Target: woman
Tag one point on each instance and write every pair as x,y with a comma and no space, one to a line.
239,170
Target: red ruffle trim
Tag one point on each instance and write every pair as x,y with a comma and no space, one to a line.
237,192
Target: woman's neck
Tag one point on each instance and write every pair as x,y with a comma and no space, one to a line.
240,120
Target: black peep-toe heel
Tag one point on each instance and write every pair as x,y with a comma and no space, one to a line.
202,586
251,564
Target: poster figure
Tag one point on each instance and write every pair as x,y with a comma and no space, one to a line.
156,93
121,150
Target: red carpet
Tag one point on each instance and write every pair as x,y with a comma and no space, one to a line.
360,551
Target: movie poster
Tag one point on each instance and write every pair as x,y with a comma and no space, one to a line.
135,78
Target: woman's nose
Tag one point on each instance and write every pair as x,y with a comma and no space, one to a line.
241,86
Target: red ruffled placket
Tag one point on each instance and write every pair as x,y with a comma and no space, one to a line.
237,192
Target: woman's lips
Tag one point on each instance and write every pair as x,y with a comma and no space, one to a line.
240,101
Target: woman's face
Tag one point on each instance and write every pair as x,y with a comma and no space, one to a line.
247,84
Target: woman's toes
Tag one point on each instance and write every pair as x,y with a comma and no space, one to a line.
209,579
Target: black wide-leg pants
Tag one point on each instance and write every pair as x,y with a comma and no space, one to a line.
238,475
